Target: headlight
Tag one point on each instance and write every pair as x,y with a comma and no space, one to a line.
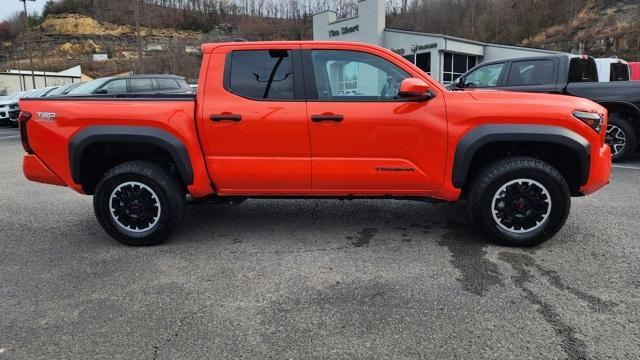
592,119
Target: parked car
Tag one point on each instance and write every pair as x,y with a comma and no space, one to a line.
271,122
135,84
612,69
567,75
64,90
9,110
635,70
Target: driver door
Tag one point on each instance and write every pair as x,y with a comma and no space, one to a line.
364,139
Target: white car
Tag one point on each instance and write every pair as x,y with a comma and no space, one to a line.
9,109
612,69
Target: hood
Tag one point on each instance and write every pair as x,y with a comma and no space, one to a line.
8,102
547,100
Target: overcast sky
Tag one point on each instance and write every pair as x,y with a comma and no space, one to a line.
10,7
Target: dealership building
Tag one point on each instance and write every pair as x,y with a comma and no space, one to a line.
443,57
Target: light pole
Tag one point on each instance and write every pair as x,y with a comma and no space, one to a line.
136,15
26,26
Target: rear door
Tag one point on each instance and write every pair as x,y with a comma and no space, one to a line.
253,125
364,140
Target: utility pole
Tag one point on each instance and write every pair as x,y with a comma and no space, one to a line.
136,15
27,36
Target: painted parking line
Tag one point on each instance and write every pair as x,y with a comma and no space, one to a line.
9,137
626,167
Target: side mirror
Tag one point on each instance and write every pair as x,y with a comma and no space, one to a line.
414,89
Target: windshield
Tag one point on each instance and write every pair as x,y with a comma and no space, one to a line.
88,87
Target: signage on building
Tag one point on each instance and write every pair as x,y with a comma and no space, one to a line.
400,51
416,48
344,30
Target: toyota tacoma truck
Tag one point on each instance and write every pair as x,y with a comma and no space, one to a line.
319,120
568,75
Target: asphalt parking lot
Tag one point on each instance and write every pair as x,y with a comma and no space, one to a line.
314,279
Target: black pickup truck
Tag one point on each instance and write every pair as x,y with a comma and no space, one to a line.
567,75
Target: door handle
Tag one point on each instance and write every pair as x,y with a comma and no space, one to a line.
320,118
225,117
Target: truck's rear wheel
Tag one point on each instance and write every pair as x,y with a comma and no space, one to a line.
519,201
621,137
139,203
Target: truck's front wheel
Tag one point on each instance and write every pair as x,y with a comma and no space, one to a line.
519,201
139,203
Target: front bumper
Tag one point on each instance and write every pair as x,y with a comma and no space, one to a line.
600,170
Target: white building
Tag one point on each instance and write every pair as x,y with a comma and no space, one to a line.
444,57
14,81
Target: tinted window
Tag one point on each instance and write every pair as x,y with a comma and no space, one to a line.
536,72
619,72
486,76
115,87
262,74
583,70
352,75
423,61
167,84
140,85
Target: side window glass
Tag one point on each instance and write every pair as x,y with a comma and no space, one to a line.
535,72
167,84
140,85
351,75
486,76
115,87
262,74
583,70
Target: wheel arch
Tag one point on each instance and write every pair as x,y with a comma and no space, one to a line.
137,138
621,107
563,148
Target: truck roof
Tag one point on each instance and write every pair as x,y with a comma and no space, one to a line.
209,47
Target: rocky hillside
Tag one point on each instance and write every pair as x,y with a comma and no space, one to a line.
597,30
66,40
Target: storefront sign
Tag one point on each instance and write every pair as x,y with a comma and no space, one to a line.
344,30
400,51
416,48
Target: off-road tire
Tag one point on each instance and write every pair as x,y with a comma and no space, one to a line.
159,188
483,197
631,142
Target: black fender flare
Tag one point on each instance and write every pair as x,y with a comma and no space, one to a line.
129,134
487,134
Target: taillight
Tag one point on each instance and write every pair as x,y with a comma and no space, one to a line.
22,122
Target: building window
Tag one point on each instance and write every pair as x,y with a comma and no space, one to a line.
456,65
411,58
423,61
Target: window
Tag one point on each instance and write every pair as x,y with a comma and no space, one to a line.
411,58
352,75
583,70
619,72
167,84
140,85
262,74
455,65
115,87
534,72
423,61
485,76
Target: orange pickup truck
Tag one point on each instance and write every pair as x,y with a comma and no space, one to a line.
319,120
